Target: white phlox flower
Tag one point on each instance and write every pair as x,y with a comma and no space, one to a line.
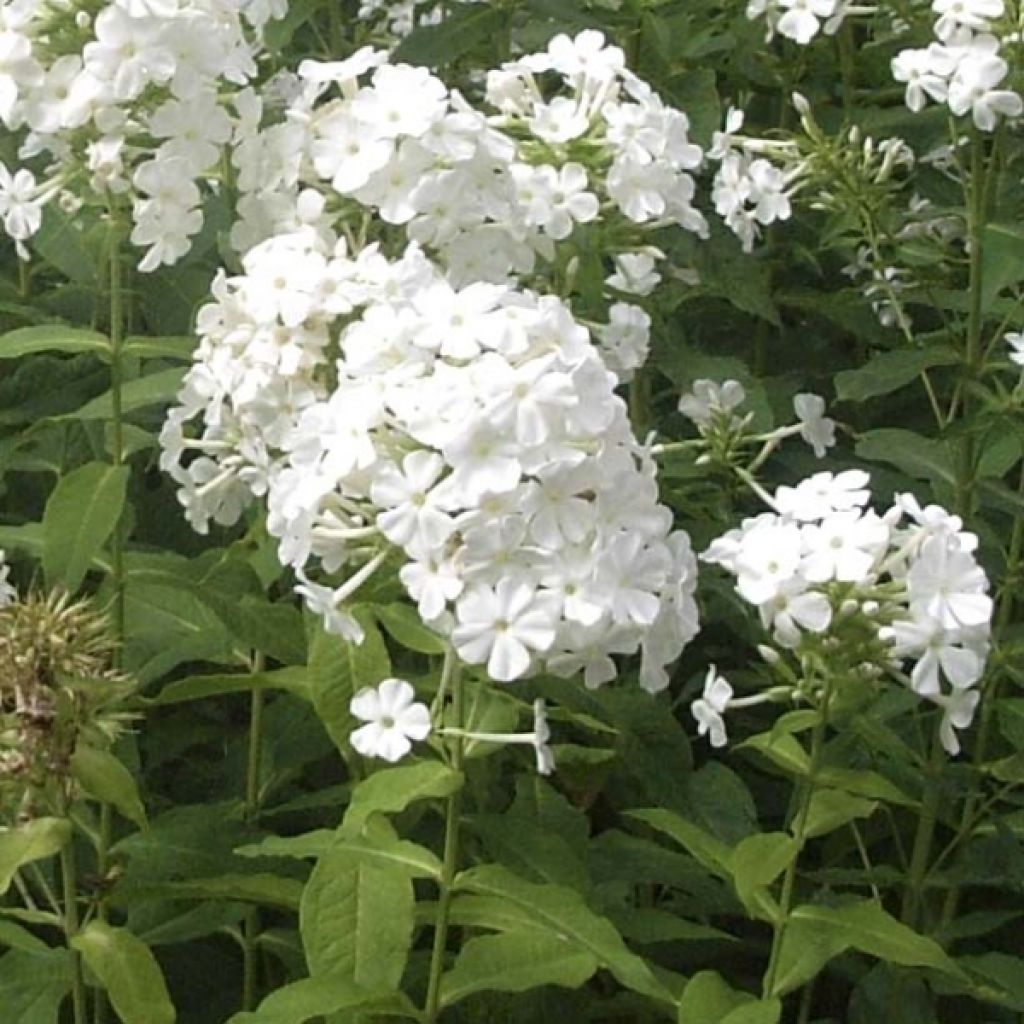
8,593
393,717
709,709
815,427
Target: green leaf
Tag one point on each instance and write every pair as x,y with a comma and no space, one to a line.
763,1011
128,971
407,628
160,388
36,839
815,934
463,29
356,921
889,371
756,862
103,776
33,986
319,997
1002,260
267,890
179,348
710,851
313,844
563,912
27,341
917,456
13,936
81,513
516,961
338,669
831,809
782,749
709,999
393,789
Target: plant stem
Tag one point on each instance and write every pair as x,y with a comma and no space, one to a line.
251,922
800,835
69,879
453,812
922,850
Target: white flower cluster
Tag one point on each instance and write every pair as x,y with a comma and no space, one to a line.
474,430
130,97
867,592
749,191
802,20
561,138
962,68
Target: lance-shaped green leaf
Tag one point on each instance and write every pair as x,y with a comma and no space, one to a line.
831,809
815,934
889,371
392,790
103,776
320,997
708,998
13,936
27,341
127,969
291,679
709,850
42,837
265,889
338,669
756,862
516,961
160,388
33,986
563,912
356,922
81,513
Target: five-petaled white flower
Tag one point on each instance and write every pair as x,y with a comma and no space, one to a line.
393,719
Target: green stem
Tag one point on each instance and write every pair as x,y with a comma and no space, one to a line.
116,423
251,922
800,836
920,855
449,864
71,925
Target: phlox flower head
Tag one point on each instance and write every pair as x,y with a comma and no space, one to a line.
867,594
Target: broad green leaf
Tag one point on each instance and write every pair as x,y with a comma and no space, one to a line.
82,512
815,934
27,341
381,850
763,1011
160,388
706,848
291,679
318,997
831,809
33,986
530,850
393,789
756,863
708,999
402,622
465,28
13,936
72,244
783,750
565,914
104,777
356,921
911,453
1002,248
516,961
265,889
864,783
889,371
128,971
338,669
313,844
36,839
